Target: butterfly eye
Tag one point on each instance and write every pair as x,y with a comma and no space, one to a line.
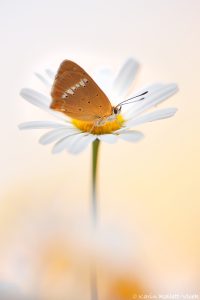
117,109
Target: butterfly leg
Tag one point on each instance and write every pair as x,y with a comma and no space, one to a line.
96,124
92,128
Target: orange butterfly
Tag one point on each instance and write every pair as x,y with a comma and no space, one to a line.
76,94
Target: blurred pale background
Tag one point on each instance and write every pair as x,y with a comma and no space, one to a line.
149,192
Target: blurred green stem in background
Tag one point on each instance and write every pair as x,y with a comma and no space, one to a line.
94,213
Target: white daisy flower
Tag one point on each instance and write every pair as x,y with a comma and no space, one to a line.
74,135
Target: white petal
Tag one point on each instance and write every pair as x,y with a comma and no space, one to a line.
131,136
151,88
108,138
78,144
42,102
125,78
59,115
56,134
104,78
44,80
154,116
35,98
50,73
122,129
40,125
153,99
63,143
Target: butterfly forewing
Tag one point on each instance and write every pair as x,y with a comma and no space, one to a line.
76,94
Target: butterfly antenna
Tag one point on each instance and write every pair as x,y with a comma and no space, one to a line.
125,102
128,101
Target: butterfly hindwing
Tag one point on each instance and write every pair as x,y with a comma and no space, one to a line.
76,94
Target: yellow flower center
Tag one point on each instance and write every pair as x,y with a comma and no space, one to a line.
108,127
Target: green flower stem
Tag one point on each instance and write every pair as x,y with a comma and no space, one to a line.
95,151
94,213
